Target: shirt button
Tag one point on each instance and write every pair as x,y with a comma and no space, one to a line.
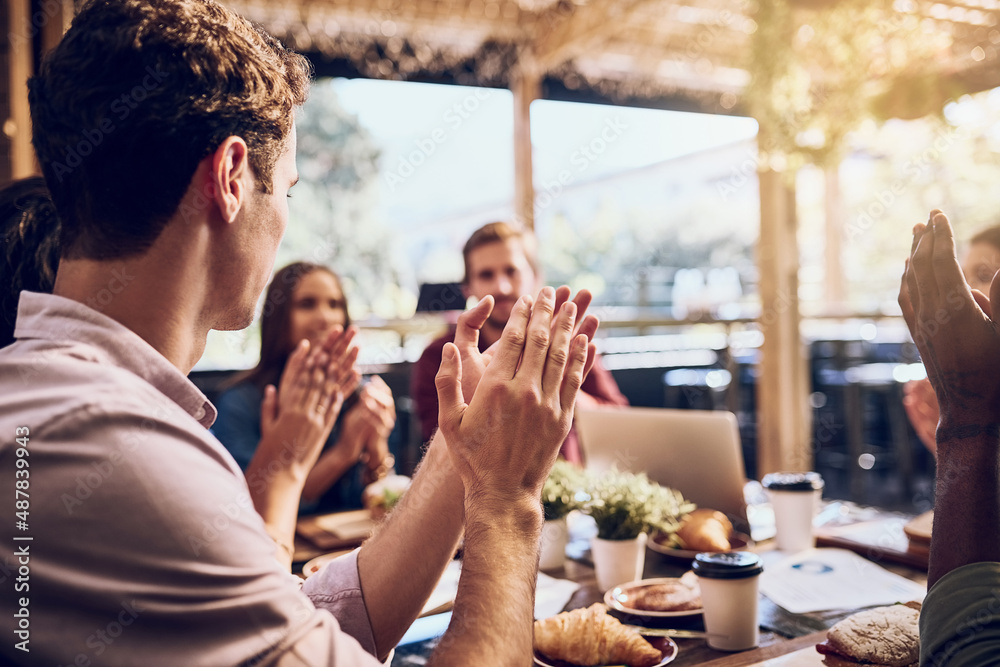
199,414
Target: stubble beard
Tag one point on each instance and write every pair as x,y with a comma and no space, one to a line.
496,322
236,318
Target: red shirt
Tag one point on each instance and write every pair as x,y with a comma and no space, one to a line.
599,385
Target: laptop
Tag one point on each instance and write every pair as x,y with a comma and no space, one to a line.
696,452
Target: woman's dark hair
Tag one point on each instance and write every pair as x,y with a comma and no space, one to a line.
275,320
29,246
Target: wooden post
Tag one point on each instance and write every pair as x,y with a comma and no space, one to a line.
526,87
25,32
58,16
784,418
833,282
17,125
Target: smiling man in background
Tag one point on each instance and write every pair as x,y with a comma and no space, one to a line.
502,261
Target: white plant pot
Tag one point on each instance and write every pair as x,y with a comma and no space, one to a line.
553,546
618,561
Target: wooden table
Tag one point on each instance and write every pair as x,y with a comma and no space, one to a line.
691,651
798,650
781,632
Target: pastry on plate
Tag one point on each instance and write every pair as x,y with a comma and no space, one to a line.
883,637
591,636
705,530
665,595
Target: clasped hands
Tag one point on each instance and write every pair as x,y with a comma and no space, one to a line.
366,427
954,330
298,415
521,392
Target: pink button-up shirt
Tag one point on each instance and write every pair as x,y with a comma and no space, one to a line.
129,537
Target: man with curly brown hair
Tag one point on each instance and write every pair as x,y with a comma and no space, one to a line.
165,132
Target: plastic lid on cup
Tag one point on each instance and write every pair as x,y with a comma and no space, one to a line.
731,565
792,481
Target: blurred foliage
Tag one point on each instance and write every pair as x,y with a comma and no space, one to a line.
816,74
627,245
894,174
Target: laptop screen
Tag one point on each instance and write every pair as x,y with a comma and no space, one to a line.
696,452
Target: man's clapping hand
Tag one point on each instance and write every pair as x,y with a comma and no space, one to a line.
953,329
506,439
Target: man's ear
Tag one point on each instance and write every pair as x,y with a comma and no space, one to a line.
229,177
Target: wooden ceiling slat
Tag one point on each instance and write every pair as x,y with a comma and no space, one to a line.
587,25
667,43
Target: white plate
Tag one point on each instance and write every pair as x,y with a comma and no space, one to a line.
737,542
614,597
666,646
313,566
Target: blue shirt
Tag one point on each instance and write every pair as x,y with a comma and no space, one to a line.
238,428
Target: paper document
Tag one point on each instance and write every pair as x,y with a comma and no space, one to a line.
551,595
825,579
443,596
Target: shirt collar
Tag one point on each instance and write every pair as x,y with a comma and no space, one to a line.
58,319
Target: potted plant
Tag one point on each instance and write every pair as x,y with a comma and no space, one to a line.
626,507
381,496
560,495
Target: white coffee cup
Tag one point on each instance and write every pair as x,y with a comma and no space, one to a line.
795,498
728,583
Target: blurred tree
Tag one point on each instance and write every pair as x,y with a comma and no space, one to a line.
334,217
625,239
898,172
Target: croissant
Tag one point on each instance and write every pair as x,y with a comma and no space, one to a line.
592,637
705,530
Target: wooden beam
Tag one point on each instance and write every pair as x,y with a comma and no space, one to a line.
18,125
564,36
59,15
526,86
784,418
833,278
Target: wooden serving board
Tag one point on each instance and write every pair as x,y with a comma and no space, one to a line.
338,530
877,540
918,530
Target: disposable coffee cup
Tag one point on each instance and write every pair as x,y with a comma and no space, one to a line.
728,583
795,498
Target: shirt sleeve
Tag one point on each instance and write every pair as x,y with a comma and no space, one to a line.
337,589
185,564
238,424
601,386
960,618
423,391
